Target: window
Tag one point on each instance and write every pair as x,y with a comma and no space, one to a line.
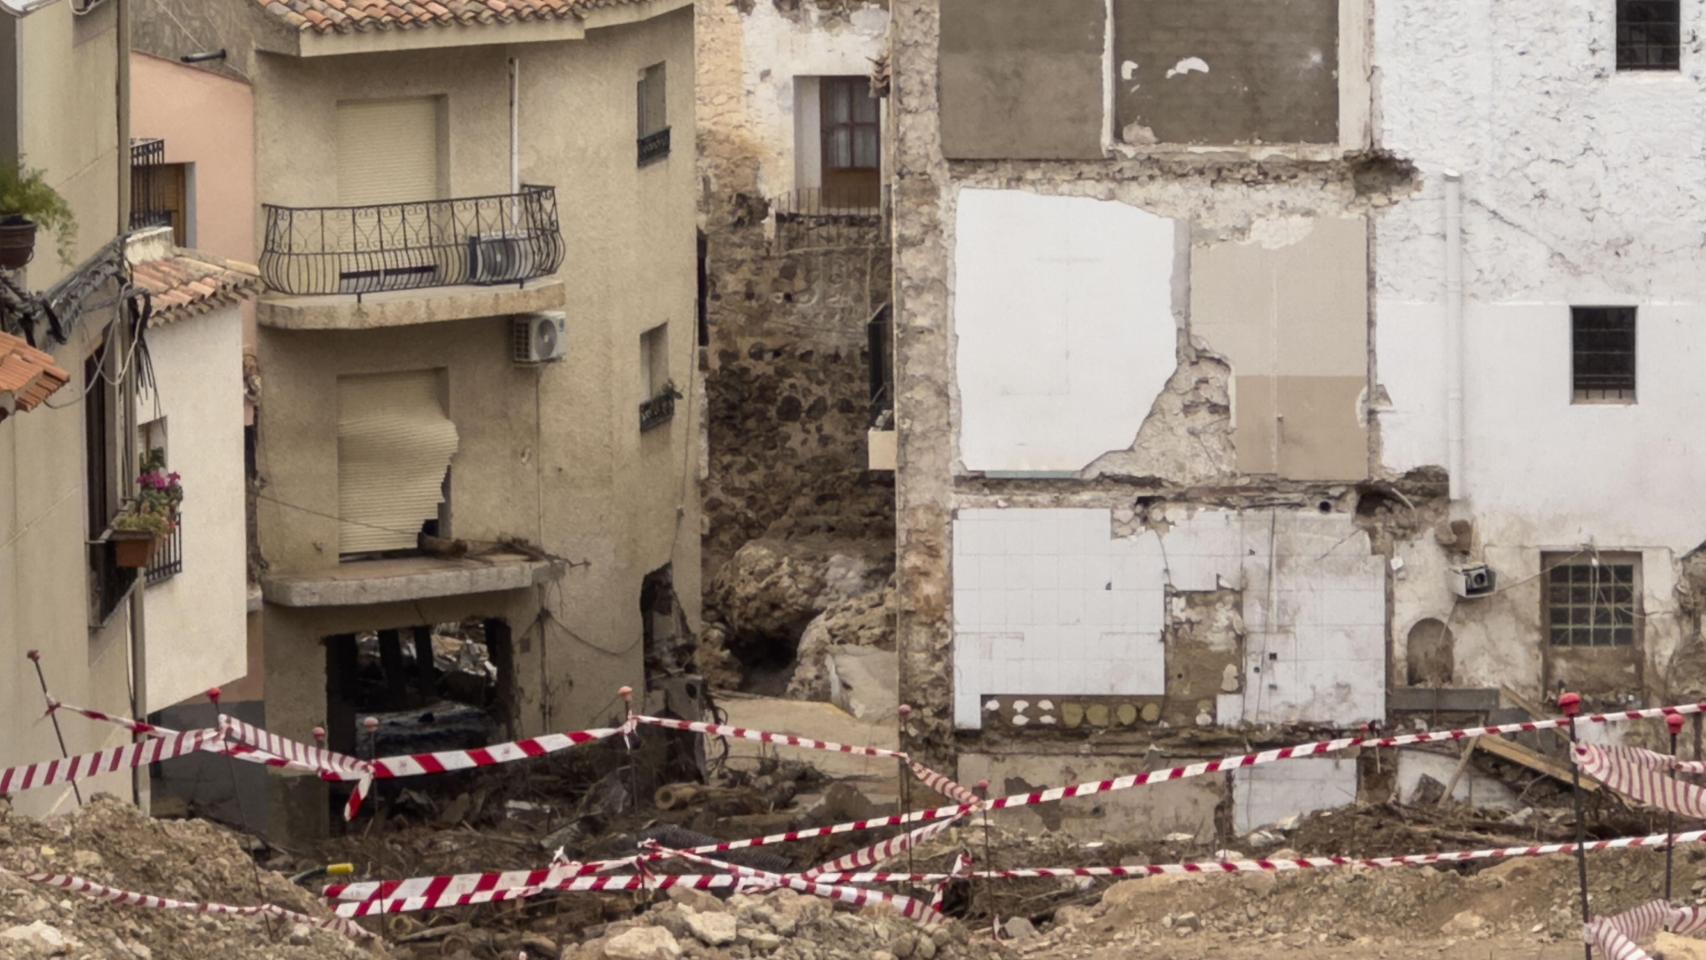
1649,35
852,140
653,115
657,399
1591,604
395,443
388,151
109,583
1602,354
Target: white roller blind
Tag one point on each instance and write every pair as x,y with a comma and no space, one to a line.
387,151
394,445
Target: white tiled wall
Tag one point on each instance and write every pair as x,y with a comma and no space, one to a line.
1050,603
1270,793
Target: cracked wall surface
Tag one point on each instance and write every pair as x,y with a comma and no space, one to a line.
1178,444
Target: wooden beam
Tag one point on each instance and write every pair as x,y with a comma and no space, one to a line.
1540,763
1456,775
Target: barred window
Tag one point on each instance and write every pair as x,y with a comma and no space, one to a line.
1591,605
1602,354
1649,35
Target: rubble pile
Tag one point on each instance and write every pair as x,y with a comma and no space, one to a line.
110,842
783,925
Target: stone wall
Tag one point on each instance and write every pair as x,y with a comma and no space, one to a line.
788,299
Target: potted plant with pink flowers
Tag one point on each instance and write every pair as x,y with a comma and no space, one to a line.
149,517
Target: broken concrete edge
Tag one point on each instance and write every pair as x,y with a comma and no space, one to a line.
438,578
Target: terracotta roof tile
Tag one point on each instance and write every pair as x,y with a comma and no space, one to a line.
355,16
189,283
27,376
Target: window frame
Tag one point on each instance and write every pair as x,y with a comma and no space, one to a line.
853,185
1638,56
1571,572
651,134
1602,393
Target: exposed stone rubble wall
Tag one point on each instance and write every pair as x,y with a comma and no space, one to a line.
789,302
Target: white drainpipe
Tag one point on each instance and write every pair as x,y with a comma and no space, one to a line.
1454,352
514,125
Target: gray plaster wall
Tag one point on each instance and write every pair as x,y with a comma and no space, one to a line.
1227,71
1022,79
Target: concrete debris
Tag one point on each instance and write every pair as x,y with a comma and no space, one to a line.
112,843
1019,928
781,924
865,620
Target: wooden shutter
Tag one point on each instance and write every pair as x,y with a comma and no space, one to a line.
394,446
387,151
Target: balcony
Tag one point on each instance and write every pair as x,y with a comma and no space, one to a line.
149,203
343,267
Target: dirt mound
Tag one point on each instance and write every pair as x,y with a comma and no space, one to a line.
112,843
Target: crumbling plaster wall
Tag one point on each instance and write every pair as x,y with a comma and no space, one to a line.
1578,189
787,391
1183,442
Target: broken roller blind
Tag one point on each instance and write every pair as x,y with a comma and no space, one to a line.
394,445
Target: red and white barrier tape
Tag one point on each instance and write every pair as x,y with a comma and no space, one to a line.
1642,922
460,883
444,761
942,784
238,750
1611,942
582,884
1621,769
761,881
760,736
85,765
879,852
89,888
962,868
325,761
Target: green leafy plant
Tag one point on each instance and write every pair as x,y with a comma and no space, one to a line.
25,195
670,390
155,509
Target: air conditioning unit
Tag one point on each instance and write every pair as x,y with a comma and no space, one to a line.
539,337
496,259
1476,580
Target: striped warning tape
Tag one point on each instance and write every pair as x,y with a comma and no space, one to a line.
1624,770
759,881
761,736
85,765
460,883
1612,942
339,766
89,888
572,884
238,750
879,852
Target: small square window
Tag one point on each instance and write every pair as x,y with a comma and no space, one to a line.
1602,354
1649,35
1589,604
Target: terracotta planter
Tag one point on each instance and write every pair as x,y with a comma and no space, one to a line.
133,549
17,242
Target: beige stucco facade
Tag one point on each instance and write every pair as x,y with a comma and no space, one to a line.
552,453
58,109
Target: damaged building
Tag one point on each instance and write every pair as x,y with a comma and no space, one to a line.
474,468
1250,380
794,300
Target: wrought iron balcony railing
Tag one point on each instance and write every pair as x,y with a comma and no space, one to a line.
148,202
499,239
168,559
657,411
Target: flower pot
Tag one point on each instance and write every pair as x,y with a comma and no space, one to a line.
17,242
132,548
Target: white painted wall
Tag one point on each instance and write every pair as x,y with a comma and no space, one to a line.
196,620
1048,602
1063,319
777,49
1268,794
1581,186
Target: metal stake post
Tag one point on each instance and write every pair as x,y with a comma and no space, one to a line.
1674,722
1571,704
53,714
